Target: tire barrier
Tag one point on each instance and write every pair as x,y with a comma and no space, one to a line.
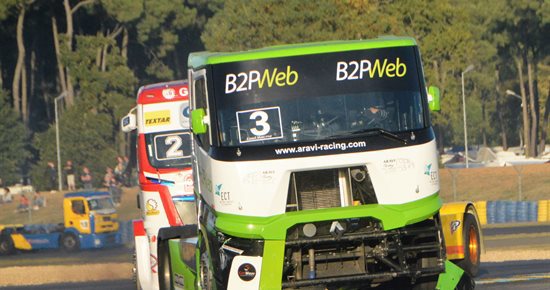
507,211
543,214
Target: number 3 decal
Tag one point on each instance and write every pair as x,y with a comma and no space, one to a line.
259,124
261,118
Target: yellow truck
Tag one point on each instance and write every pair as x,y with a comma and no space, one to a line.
90,221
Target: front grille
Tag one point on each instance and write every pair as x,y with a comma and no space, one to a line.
324,198
329,188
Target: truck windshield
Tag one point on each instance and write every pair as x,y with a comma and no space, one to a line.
169,149
101,204
319,96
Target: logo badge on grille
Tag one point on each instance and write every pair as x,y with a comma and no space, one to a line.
336,229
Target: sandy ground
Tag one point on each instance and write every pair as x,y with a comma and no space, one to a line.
35,275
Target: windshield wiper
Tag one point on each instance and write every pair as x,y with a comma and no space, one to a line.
372,132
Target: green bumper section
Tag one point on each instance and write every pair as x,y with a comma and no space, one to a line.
449,280
275,227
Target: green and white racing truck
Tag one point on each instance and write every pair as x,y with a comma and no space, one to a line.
315,167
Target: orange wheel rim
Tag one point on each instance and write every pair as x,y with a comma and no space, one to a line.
472,245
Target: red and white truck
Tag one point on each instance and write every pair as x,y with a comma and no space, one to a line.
166,198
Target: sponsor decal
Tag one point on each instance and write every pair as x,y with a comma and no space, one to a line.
169,93
357,70
178,280
38,241
157,118
205,181
188,183
184,91
343,146
433,174
246,272
454,226
185,111
397,165
154,263
151,207
223,195
246,81
259,177
84,224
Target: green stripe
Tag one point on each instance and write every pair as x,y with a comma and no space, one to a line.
272,264
201,59
275,227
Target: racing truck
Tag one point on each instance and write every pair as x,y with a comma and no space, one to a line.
315,167
166,199
90,222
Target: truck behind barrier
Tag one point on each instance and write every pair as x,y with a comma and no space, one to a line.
90,222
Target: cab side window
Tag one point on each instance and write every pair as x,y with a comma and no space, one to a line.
78,207
200,102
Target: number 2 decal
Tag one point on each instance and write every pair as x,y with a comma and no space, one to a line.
174,142
259,124
172,146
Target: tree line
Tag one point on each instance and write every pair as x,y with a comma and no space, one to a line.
89,57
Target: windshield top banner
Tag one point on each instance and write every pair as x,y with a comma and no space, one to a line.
316,75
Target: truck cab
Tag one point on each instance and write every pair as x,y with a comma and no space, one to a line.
161,122
90,222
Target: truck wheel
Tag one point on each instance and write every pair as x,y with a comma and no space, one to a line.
135,276
6,245
472,246
206,278
164,270
69,242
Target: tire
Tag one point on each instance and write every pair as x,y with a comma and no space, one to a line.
135,276
164,267
69,242
472,246
6,245
206,278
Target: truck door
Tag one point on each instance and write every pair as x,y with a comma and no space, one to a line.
76,215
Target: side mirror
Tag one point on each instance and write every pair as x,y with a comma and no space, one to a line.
128,123
433,98
199,123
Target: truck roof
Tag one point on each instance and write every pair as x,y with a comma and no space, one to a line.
163,92
200,59
87,194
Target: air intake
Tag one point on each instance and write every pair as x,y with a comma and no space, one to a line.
329,188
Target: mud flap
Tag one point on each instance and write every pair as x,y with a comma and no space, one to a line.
454,278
